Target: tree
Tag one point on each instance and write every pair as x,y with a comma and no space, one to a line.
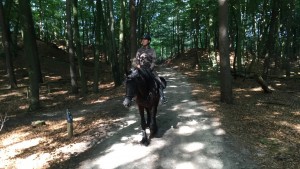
6,40
122,54
97,47
73,75
226,78
112,47
31,53
79,49
133,25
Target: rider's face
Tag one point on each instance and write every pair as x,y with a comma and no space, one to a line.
145,42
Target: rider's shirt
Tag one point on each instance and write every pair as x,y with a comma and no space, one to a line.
146,56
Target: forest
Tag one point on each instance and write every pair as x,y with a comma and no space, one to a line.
264,36
86,47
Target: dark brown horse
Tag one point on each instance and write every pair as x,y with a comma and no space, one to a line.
142,84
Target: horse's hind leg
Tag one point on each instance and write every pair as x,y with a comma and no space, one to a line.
153,125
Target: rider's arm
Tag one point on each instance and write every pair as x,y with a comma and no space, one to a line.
137,59
153,59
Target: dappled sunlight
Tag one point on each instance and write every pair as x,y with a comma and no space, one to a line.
188,139
123,153
37,160
186,165
11,94
256,89
53,78
14,138
13,148
107,85
60,92
100,100
73,148
296,113
186,130
295,127
219,132
54,141
192,147
172,86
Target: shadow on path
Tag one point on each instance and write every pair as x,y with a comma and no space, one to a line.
188,138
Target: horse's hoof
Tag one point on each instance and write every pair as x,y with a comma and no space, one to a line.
153,132
145,142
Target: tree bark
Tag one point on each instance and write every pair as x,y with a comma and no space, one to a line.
122,55
226,78
79,53
113,52
270,51
6,40
73,75
31,53
133,40
97,50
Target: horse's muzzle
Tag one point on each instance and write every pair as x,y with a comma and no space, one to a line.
127,102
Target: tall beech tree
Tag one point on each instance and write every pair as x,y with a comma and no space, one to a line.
31,53
226,78
73,74
79,53
6,40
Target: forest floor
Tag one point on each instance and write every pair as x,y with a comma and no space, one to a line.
267,124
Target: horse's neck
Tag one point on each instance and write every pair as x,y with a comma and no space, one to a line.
143,90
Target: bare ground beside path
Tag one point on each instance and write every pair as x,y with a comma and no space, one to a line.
188,137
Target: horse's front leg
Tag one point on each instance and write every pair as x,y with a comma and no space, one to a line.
153,125
145,140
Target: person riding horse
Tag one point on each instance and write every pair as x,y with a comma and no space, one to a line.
146,57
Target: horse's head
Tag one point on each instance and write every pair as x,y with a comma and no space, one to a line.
137,83
130,86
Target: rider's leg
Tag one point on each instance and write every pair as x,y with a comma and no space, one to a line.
162,86
163,99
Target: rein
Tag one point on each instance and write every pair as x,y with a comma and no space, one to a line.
146,76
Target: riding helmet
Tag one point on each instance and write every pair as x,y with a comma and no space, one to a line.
146,36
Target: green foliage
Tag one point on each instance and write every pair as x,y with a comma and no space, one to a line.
171,23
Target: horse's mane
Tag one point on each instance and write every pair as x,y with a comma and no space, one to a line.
148,76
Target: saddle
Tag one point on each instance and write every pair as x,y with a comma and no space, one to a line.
147,71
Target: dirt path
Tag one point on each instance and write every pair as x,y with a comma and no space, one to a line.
188,138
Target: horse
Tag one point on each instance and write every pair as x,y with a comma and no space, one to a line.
142,84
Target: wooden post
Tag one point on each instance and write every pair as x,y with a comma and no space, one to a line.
70,129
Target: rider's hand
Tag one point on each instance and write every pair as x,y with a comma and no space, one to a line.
138,66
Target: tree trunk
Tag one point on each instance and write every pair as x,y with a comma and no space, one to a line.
113,52
79,54
31,53
271,39
97,52
226,79
197,26
6,40
122,55
73,76
133,40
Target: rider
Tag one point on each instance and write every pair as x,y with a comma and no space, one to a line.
146,56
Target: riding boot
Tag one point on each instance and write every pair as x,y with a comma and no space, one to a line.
160,82
163,99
